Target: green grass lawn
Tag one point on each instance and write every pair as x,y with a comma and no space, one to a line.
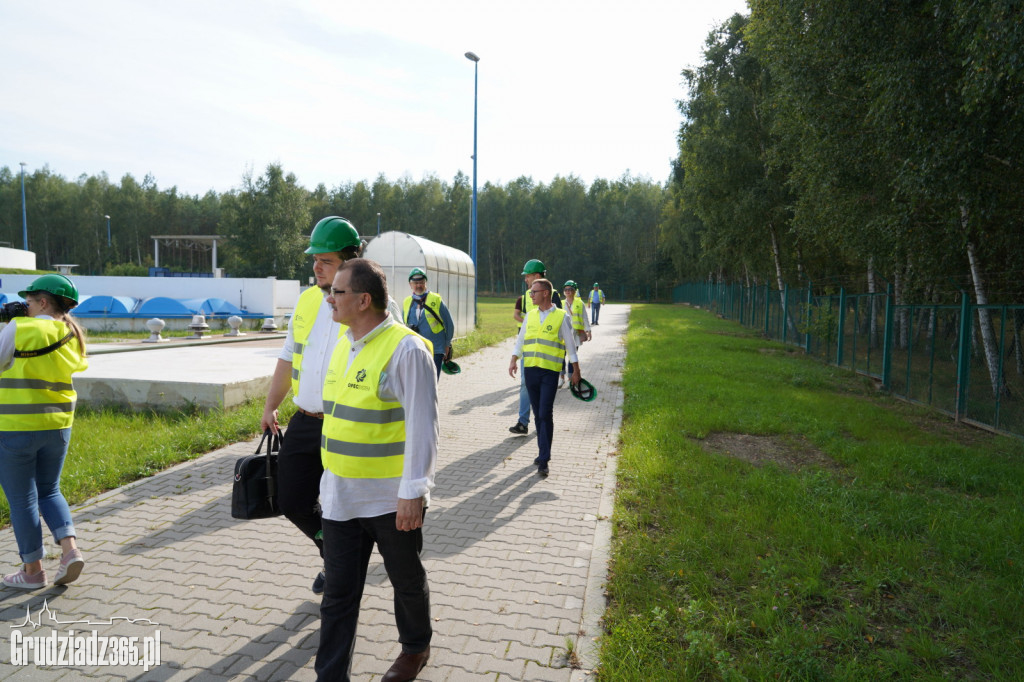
110,448
778,519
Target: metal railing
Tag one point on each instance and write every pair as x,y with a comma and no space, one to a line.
965,360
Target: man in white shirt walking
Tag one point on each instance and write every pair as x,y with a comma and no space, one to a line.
379,451
545,340
301,367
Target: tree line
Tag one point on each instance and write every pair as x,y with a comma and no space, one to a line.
856,144
607,232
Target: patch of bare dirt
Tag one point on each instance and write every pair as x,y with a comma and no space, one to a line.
793,453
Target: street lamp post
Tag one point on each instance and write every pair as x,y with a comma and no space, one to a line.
378,224
108,230
472,239
24,214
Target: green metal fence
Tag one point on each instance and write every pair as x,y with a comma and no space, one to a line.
965,360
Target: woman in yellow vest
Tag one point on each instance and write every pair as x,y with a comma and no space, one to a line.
38,355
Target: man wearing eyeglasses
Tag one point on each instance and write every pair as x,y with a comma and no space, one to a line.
545,340
379,452
532,271
301,367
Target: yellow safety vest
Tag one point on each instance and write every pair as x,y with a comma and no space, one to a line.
577,314
36,393
434,303
363,436
303,318
542,346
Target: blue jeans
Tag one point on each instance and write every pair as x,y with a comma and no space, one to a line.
542,385
524,397
347,549
30,466
595,308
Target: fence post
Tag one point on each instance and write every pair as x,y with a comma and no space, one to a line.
807,321
963,357
785,312
887,339
767,309
842,327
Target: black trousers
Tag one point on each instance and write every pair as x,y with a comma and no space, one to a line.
298,474
348,545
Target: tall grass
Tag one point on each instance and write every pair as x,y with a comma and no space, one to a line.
112,447
894,553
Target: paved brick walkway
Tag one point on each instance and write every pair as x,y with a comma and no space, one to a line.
516,563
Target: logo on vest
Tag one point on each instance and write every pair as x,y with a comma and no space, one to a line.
361,375
548,328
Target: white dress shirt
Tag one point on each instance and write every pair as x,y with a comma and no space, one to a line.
565,333
410,379
316,357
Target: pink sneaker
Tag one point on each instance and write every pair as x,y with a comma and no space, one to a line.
23,581
71,566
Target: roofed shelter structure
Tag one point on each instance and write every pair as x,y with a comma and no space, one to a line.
197,242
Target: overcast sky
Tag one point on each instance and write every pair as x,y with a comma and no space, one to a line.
197,93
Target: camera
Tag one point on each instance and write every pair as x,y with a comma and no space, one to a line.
12,310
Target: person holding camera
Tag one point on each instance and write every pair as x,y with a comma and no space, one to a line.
40,348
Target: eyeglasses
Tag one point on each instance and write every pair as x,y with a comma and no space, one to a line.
339,292
536,291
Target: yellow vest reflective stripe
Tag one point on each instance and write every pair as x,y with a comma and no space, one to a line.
542,346
363,436
303,318
434,303
577,314
36,394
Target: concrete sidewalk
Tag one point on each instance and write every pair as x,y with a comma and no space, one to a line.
516,563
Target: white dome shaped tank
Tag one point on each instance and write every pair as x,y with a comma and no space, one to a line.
450,273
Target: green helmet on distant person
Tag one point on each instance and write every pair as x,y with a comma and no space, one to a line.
570,283
417,272
534,267
595,285
58,285
332,234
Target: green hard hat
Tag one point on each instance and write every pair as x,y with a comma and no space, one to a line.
416,272
58,285
584,391
534,266
570,283
332,234
450,367
595,285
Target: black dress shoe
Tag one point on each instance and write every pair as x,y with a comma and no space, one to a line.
406,667
319,582
518,428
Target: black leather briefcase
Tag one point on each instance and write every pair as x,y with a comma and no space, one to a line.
254,493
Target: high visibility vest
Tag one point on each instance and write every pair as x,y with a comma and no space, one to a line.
363,436
303,318
542,346
36,393
577,314
433,302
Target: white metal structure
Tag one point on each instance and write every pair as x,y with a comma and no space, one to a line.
450,272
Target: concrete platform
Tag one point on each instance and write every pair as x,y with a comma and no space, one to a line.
209,373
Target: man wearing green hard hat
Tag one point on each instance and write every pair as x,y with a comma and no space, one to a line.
301,368
426,314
